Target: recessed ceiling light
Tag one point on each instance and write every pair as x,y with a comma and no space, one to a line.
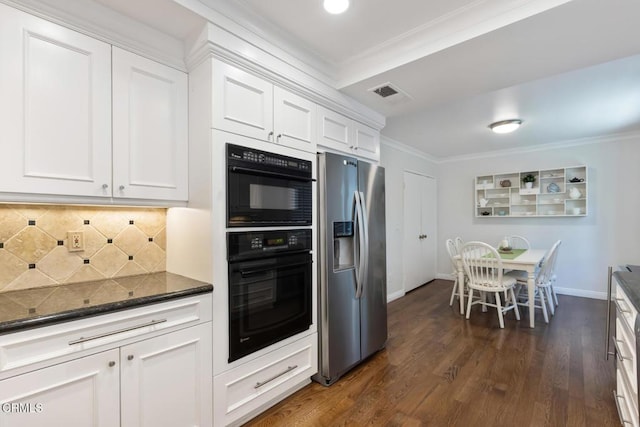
505,126
336,6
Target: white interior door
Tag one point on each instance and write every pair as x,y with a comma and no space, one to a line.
419,252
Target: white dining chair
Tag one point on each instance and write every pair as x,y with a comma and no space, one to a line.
483,267
452,249
543,282
459,242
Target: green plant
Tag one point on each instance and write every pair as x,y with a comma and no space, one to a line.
529,178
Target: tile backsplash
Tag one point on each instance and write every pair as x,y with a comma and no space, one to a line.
34,249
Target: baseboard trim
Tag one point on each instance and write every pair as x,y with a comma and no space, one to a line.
563,291
394,296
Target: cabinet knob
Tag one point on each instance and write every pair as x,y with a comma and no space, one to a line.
278,137
112,363
130,357
270,135
105,186
121,187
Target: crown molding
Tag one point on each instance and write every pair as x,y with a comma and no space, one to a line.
543,147
397,145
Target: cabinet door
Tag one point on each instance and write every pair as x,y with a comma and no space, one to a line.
335,130
80,393
55,115
242,102
419,252
168,380
150,138
367,141
294,120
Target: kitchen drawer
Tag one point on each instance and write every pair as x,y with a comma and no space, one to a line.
28,349
625,308
626,353
626,404
243,391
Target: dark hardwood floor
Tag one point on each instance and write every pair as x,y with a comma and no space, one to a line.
441,370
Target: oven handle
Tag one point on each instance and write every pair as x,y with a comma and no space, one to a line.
267,173
245,273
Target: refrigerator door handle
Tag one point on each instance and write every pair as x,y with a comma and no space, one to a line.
359,245
364,245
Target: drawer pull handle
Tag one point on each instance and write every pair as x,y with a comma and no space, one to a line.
131,328
261,383
618,352
617,302
617,396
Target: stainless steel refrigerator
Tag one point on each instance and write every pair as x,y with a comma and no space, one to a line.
352,287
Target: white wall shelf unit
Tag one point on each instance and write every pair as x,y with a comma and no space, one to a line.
554,192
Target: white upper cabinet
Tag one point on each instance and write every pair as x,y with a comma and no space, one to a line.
248,105
367,141
150,139
341,133
59,111
55,108
335,130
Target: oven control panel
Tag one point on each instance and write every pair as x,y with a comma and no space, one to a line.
260,244
237,155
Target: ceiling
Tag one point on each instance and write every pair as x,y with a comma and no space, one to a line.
569,68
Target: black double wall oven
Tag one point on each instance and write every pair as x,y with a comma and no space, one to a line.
269,270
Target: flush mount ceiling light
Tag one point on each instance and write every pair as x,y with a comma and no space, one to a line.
336,6
505,126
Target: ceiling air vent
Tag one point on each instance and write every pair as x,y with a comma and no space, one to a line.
390,93
385,91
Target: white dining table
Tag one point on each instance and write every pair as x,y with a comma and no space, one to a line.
527,261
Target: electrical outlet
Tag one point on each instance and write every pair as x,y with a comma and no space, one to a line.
75,241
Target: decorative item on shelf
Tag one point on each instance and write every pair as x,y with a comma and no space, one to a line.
577,211
505,183
485,213
528,180
483,202
553,188
574,193
502,213
576,179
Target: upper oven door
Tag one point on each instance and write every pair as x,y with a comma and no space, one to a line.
261,195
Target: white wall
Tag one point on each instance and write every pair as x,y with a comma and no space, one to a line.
609,235
396,159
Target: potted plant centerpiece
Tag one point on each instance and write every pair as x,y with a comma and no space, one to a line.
528,180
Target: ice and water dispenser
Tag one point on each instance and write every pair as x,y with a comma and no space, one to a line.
343,245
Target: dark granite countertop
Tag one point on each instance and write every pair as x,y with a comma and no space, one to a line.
629,280
30,308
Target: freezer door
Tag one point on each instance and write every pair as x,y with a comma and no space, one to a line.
373,303
339,309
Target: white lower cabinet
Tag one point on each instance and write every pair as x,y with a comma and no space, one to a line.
143,367
166,380
246,390
81,393
626,393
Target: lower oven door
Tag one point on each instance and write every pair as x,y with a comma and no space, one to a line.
269,300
